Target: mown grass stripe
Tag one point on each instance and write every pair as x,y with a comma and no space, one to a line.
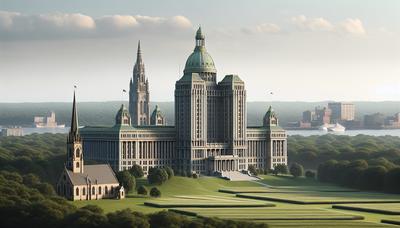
371,210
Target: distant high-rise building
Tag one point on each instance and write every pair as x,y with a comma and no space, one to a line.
342,111
322,115
374,121
308,116
12,131
139,96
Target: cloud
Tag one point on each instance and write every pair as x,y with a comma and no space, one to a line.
312,24
268,28
17,26
353,26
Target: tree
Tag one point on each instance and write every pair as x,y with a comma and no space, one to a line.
373,178
281,169
252,169
126,179
310,174
154,192
169,171
296,170
136,171
157,176
142,190
392,181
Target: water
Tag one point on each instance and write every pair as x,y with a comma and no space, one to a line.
31,130
392,132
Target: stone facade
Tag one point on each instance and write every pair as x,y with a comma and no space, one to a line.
139,96
210,133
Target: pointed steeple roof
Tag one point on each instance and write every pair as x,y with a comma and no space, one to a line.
139,54
74,130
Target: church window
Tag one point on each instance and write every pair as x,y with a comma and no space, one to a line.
77,165
106,190
78,152
83,191
77,191
93,191
99,189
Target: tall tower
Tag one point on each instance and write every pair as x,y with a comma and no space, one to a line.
74,144
139,96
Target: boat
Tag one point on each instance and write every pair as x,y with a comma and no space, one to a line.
337,128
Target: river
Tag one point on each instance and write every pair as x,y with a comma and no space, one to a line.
392,132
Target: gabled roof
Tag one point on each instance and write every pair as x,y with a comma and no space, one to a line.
231,78
191,77
96,174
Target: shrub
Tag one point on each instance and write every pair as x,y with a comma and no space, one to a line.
154,192
169,171
296,170
252,169
157,176
281,169
195,175
136,171
127,180
310,174
142,190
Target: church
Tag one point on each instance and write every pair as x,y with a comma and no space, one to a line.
85,182
210,135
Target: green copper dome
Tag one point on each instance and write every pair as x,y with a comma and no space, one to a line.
200,61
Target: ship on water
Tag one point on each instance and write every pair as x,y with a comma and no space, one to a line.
332,127
48,121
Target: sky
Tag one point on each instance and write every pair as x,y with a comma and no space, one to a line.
301,50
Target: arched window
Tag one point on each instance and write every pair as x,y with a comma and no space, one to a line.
77,191
106,190
78,153
77,165
99,189
93,190
83,191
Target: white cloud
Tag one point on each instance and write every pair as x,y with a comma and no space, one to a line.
313,24
117,21
352,26
348,26
16,26
268,28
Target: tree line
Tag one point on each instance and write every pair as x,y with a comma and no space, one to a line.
376,175
313,150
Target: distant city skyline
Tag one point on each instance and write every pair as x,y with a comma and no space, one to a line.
304,50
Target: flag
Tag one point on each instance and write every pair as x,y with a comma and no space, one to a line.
75,86
124,91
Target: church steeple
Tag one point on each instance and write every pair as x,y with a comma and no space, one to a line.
74,131
139,96
74,144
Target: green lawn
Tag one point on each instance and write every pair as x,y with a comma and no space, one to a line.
205,189
383,208
324,197
324,224
264,213
206,201
173,187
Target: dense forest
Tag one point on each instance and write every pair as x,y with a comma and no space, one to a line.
314,150
103,113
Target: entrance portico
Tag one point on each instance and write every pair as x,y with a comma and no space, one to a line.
223,163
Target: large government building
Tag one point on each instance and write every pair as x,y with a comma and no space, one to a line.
210,133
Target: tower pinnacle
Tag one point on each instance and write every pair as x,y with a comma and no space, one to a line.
74,131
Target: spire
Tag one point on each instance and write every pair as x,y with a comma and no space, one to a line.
200,38
73,132
139,54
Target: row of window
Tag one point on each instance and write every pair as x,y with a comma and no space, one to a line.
99,192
